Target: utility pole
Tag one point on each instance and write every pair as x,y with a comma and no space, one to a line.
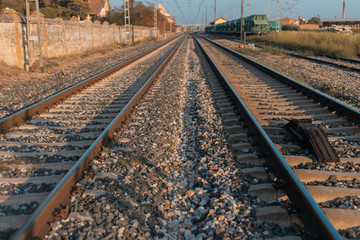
28,35
127,21
165,22
248,9
155,20
343,10
233,13
214,15
269,6
171,23
242,24
206,16
278,23
32,58
189,7
202,18
132,25
39,34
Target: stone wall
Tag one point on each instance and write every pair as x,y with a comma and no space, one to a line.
60,38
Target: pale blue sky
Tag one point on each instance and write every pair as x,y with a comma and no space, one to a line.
192,11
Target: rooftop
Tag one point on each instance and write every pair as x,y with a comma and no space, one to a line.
340,20
220,18
98,6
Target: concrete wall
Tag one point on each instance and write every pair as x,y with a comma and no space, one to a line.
60,38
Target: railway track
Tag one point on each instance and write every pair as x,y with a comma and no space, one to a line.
339,62
171,172
44,152
187,162
22,96
273,100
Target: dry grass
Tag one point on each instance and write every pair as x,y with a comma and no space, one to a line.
273,51
11,76
246,51
342,45
100,50
6,69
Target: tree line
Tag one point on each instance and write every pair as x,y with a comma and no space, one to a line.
313,20
51,8
142,13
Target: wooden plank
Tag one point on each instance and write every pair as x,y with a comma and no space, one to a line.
314,138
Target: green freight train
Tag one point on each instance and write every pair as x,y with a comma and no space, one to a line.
255,24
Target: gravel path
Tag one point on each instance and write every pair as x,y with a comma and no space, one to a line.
24,93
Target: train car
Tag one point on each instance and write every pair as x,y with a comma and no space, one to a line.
273,27
232,26
209,29
257,24
238,25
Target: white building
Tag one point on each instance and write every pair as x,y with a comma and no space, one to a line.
163,11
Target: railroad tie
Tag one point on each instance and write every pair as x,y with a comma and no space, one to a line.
311,136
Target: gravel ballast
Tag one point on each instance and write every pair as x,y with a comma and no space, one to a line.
170,174
24,93
341,84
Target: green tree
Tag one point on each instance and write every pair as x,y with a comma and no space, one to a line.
302,21
17,5
115,16
78,8
289,27
142,15
52,8
64,8
314,20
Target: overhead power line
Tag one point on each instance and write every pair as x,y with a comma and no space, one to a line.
181,12
198,12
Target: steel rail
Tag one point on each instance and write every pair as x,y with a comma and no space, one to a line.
341,66
356,61
27,113
349,60
39,223
340,108
313,217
